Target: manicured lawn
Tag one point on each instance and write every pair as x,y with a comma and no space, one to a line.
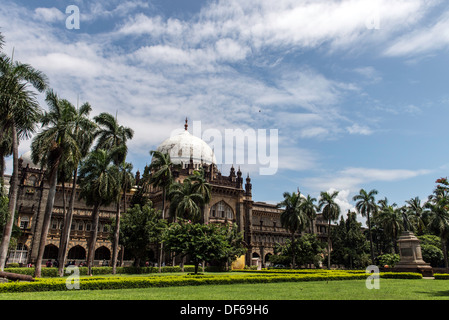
390,289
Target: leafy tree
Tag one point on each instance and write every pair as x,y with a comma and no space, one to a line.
293,218
139,227
201,242
416,213
55,143
161,176
19,115
330,211
366,206
307,248
438,204
83,133
112,136
390,219
99,184
185,201
349,243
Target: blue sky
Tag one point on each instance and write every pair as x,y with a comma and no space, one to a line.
357,90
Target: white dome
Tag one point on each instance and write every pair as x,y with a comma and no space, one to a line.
184,146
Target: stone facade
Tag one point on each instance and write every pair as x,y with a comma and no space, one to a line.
231,202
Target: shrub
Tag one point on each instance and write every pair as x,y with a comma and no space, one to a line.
389,259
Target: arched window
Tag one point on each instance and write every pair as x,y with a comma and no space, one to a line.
222,210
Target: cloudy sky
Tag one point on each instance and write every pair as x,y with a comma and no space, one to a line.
357,90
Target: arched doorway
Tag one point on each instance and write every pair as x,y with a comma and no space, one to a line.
50,252
102,253
77,253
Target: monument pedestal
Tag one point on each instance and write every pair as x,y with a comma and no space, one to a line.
410,256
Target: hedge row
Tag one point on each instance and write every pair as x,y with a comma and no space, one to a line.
98,283
53,272
441,276
299,271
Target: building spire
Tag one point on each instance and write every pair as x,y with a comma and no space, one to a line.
186,125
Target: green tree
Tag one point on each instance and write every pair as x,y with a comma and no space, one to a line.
112,136
349,243
389,218
309,208
366,206
415,212
50,147
141,226
330,211
293,218
83,132
185,200
19,115
161,176
307,249
99,184
202,242
438,223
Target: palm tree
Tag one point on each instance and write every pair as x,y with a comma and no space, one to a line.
50,148
330,211
19,114
416,212
201,186
309,207
366,205
99,184
185,201
438,218
390,219
293,218
113,136
83,132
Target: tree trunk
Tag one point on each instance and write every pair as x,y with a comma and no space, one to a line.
116,237
163,217
13,191
293,250
65,237
370,239
443,246
329,245
15,276
93,239
47,218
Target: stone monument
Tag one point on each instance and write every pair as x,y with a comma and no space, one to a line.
410,256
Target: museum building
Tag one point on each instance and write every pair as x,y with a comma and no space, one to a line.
231,202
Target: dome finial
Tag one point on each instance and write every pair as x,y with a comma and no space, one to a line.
186,125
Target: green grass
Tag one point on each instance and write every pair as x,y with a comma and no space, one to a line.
390,289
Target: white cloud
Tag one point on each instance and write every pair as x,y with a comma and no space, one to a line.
422,40
353,178
357,129
49,14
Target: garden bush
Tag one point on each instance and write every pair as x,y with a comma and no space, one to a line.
117,282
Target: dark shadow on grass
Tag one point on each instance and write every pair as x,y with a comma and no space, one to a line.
444,293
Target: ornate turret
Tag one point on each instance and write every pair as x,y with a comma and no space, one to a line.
239,179
248,186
